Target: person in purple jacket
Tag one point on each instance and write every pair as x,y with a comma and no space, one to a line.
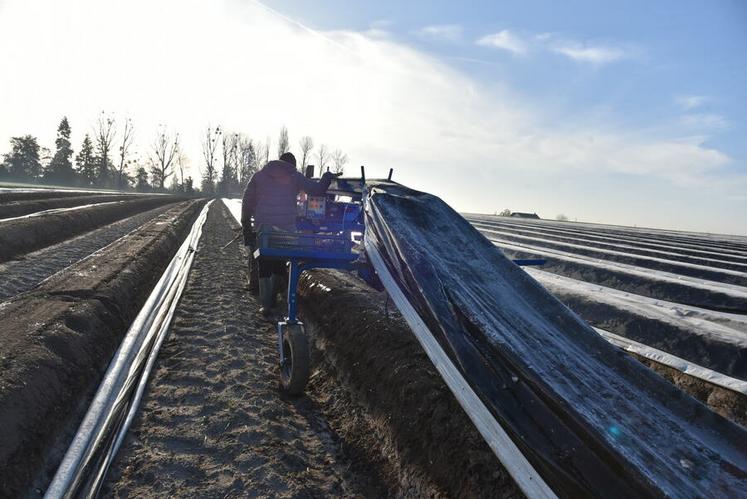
270,203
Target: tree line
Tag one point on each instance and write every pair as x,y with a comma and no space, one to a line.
238,157
106,160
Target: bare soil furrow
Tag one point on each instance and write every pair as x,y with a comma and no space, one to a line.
20,208
23,235
18,276
13,195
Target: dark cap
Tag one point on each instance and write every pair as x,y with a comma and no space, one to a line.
288,158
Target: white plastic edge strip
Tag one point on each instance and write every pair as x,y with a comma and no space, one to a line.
675,362
523,473
54,211
118,368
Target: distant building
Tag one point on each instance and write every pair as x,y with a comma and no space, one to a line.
518,214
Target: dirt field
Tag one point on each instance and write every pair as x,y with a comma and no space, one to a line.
376,421
57,340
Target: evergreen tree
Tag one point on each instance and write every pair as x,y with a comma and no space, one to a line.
22,163
141,180
188,186
86,162
60,169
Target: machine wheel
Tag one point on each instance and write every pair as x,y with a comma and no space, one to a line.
294,371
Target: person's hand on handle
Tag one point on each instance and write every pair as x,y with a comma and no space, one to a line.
330,175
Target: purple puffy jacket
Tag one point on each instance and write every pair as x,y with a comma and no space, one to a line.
270,196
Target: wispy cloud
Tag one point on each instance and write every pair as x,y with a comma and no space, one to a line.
704,120
505,40
579,51
441,32
688,102
583,52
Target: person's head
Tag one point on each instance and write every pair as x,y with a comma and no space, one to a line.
288,158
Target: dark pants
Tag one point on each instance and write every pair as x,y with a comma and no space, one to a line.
267,267
270,267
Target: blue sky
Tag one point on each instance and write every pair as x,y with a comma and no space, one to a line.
669,69
629,112
679,58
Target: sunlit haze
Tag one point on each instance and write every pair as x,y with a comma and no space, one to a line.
478,104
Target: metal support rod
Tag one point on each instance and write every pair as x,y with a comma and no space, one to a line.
293,274
279,327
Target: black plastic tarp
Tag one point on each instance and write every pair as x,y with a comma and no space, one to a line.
589,418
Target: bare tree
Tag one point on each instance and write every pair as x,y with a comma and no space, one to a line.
105,132
236,158
247,160
322,156
210,144
227,178
182,162
283,142
307,144
166,151
128,134
261,155
339,159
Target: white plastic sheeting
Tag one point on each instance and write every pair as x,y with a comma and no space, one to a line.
675,362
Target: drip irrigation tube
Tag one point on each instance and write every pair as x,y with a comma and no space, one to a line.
83,469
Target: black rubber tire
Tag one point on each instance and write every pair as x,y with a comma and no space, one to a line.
294,374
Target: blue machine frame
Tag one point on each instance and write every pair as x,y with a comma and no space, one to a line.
326,235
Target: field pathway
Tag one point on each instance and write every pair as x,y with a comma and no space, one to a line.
212,423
